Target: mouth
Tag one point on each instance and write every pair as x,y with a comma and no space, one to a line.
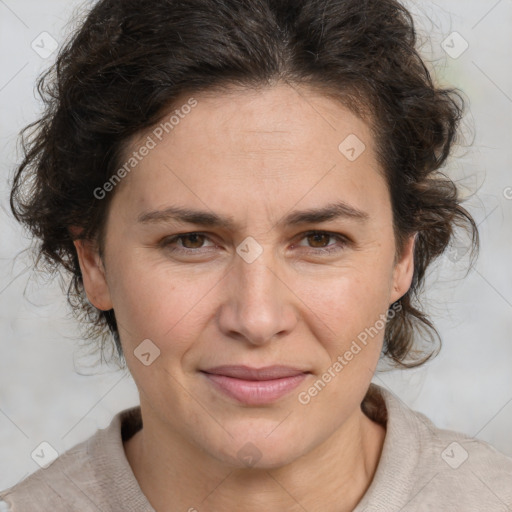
255,386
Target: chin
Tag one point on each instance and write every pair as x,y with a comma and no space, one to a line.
260,451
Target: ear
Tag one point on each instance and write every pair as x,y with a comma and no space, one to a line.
403,270
93,275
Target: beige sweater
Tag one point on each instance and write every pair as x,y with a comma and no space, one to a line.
422,468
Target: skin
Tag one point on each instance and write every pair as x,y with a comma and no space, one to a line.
256,157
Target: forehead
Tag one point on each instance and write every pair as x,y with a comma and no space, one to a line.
255,148
274,119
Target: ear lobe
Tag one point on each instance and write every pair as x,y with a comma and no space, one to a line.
404,270
93,275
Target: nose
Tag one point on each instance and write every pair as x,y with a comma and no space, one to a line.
258,301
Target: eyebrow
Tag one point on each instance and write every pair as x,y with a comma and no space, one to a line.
310,216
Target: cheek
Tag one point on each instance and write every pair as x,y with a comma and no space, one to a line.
351,320
348,302
152,300
349,313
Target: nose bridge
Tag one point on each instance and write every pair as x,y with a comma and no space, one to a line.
258,306
258,279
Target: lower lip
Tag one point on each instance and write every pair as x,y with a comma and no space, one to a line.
255,392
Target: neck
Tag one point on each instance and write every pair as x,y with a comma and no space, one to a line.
331,477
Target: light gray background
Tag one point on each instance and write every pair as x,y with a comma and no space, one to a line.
50,392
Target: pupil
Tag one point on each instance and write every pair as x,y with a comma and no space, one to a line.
317,236
196,238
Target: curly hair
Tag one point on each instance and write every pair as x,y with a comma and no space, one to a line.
127,63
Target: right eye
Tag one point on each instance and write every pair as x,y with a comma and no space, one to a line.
190,242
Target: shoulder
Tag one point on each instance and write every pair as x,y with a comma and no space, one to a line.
464,469
461,471
83,478
58,486
423,467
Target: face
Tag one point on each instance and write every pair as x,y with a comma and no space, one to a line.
259,288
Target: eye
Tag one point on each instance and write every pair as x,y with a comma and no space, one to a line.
319,241
189,242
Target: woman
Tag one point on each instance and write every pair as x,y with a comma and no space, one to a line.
247,196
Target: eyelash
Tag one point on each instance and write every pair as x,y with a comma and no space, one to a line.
342,242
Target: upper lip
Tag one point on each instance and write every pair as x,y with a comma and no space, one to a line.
249,373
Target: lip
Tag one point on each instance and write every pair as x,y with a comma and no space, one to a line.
250,373
255,386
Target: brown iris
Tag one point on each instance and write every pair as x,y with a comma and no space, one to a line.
196,239
319,237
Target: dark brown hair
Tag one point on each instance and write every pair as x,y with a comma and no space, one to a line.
129,61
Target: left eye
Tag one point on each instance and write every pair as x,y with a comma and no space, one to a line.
319,240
